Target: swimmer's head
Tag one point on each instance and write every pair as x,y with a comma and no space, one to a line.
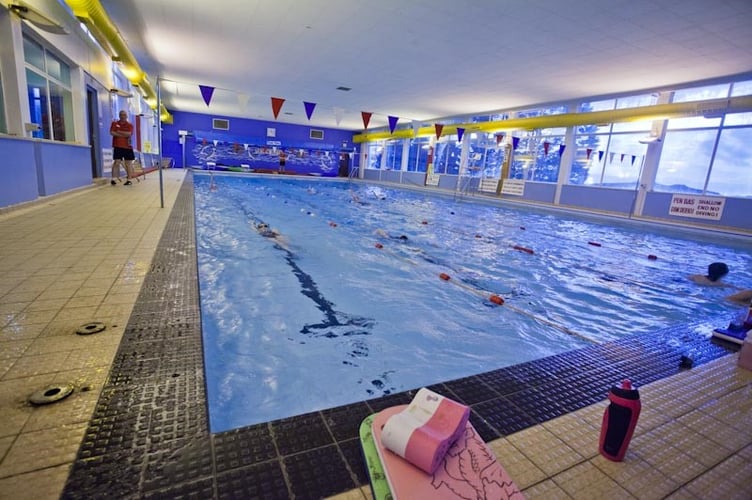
403,237
262,226
717,270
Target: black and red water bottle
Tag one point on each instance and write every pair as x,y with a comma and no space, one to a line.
619,421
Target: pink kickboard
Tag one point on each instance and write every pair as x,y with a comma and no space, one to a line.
469,469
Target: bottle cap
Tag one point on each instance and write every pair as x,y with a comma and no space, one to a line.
626,384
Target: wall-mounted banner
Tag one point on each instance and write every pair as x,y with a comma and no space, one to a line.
514,187
698,207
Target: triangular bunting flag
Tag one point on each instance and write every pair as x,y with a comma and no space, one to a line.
309,107
460,133
600,156
499,138
439,127
392,123
366,118
622,157
611,157
206,93
277,103
562,147
243,101
338,113
515,142
589,151
633,159
546,144
416,127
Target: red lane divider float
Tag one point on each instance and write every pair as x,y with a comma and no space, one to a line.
332,224
445,276
496,299
594,243
379,245
524,249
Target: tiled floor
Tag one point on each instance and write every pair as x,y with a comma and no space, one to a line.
135,425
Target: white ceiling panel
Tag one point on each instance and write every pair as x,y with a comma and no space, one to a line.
422,59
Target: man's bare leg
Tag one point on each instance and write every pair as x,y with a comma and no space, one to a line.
115,172
128,172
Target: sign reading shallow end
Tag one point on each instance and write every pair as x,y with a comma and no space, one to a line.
514,187
698,207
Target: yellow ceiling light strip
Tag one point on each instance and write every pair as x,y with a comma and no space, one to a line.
91,13
712,107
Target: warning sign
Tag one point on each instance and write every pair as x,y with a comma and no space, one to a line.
698,207
513,186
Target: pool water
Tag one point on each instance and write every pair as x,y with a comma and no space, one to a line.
340,309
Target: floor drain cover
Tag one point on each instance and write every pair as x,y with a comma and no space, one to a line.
89,328
51,394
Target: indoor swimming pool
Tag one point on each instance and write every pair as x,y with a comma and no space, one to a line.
355,291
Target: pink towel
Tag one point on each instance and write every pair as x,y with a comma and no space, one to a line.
426,429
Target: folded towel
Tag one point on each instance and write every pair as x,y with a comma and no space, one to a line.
426,429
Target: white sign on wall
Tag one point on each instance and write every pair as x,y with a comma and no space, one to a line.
698,207
107,157
432,179
513,186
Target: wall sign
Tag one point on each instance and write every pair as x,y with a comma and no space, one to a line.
698,207
515,187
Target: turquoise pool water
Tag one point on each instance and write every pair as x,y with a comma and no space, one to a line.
325,317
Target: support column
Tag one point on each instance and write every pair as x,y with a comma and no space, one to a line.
13,72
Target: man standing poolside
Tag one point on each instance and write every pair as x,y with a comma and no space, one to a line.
121,132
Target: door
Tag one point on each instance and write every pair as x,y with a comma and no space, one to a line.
92,113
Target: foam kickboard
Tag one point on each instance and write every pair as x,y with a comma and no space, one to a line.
469,469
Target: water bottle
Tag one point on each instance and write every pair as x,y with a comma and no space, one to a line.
619,421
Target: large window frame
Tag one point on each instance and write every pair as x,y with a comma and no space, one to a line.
48,83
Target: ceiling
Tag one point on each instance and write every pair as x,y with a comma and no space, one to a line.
424,59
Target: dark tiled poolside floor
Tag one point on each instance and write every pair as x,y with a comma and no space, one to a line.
149,434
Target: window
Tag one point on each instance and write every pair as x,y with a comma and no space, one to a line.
537,156
49,90
708,155
393,152
485,156
419,154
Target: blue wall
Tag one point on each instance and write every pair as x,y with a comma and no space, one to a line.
247,142
36,167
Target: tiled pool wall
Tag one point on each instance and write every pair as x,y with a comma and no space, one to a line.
149,436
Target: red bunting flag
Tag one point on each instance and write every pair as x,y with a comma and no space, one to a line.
499,138
206,93
622,158
392,123
589,151
277,103
546,144
439,127
366,118
309,107
460,133
562,147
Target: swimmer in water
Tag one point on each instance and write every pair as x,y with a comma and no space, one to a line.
716,272
381,233
267,232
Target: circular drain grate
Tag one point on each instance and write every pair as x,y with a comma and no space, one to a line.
51,394
89,328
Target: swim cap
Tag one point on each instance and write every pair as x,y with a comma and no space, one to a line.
717,270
